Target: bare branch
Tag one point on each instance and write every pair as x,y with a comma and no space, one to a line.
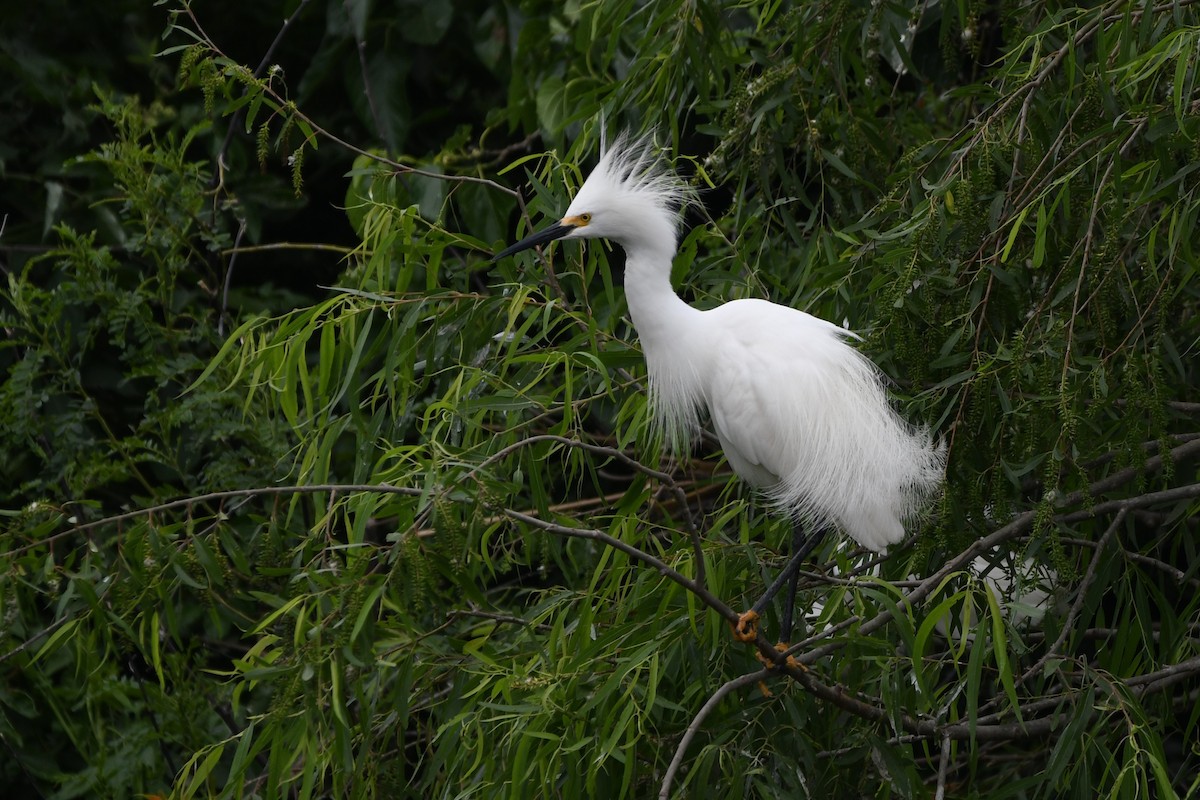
361,46
1077,606
1161,680
943,763
1020,524
188,502
664,478
727,688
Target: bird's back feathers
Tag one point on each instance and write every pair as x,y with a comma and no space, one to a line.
805,416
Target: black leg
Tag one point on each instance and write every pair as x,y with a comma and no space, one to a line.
789,602
802,546
746,628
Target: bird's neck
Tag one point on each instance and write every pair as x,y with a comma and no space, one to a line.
658,314
672,339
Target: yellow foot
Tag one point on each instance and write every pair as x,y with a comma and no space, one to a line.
746,629
791,660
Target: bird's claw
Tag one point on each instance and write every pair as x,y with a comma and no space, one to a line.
790,661
746,629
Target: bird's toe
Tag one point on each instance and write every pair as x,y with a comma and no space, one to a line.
746,627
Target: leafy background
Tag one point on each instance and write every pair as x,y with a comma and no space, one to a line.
304,497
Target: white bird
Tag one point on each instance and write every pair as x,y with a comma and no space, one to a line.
799,413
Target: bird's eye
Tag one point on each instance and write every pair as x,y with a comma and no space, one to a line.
585,218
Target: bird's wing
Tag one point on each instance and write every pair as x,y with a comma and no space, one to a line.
768,364
801,412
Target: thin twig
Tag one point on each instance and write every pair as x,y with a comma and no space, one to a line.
1138,558
1187,492
693,728
229,278
490,615
258,73
664,478
1077,606
361,46
496,157
1160,680
943,763
702,592
1018,525
186,502
1088,240
320,131
317,246
37,637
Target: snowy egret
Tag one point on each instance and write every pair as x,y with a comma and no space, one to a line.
800,413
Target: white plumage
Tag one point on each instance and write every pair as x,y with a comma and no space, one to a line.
799,412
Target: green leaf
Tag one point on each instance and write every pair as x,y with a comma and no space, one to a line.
1000,650
1012,234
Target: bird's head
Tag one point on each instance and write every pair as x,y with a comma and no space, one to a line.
630,197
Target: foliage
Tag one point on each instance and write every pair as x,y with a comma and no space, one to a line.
411,540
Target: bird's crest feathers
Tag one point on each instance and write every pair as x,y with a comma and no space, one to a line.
633,169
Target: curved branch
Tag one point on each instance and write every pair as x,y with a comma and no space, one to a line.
835,695
317,129
187,502
1160,680
719,695
665,569
666,479
870,709
1077,606
1023,522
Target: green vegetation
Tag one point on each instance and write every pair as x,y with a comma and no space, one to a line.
305,498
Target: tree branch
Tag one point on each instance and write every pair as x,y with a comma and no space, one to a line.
187,502
720,694
1077,606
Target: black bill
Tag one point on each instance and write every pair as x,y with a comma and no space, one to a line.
555,231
